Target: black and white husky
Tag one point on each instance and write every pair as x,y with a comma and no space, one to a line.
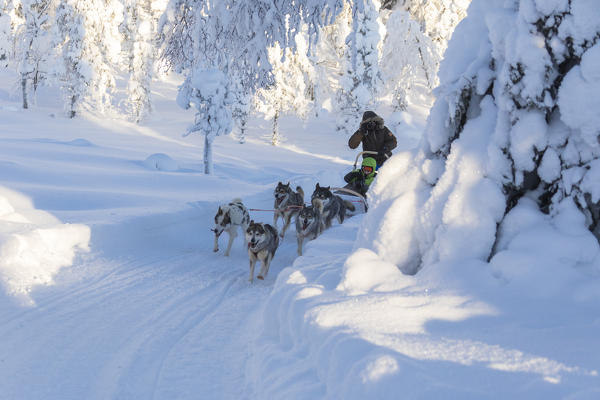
287,204
329,205
262,242
308,225
228,218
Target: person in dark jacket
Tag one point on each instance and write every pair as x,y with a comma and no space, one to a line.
375,136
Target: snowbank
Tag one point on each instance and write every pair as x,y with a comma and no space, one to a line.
160,162
446,292
354,328
34,245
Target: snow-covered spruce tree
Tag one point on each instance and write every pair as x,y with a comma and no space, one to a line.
139,31
328,60
409,56
75,73
101,50
233,36
87,34
512,140
5,33
290,91
361,81
206,90
438,18
34,45
417,36
241,31
206,87
240,107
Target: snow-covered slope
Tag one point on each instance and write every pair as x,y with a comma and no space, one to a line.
133,303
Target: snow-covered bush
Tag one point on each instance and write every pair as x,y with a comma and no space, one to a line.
160,162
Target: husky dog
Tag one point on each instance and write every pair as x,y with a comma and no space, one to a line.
308,225
229,218
329,206
262,242
287,204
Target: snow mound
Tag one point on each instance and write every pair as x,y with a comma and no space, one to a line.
161,162
34,245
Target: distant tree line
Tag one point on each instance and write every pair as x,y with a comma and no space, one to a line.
235,56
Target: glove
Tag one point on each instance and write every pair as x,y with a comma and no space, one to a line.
350,176
382,154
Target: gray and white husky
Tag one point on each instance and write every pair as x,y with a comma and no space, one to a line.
287,204
262,242
308,225
228,218
329,205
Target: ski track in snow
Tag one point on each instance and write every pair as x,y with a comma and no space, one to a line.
159,324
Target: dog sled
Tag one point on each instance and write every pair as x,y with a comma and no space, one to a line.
347,193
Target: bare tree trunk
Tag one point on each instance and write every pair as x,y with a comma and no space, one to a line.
208,164
24,89
275,137
243,121
429,83
72,111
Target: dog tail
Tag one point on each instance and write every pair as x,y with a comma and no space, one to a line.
300,192
349,205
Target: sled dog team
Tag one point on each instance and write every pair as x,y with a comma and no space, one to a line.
263,239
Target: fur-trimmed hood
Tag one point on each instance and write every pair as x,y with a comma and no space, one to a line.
370,116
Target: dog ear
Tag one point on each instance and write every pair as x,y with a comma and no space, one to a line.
288,184
317,185
220,211
328,187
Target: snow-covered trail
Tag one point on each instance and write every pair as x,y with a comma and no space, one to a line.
151,311
172,323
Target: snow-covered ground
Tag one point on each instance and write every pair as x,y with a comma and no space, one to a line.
110,288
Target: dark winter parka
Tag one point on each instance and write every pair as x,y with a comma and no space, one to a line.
374,137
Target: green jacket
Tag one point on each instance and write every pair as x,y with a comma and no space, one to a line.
358,180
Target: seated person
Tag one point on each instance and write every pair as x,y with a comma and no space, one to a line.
360,179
